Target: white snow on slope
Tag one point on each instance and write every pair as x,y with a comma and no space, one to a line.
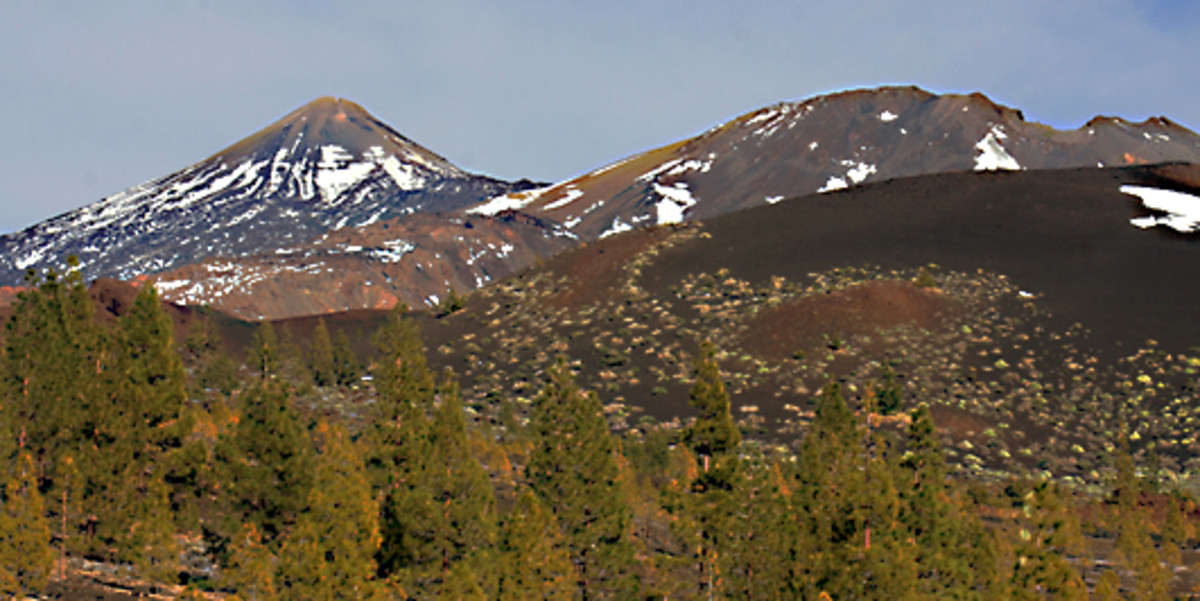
678,167
513,201
834,183
858,171
887,116
675,200
992,155
1182,210
617,227
572,194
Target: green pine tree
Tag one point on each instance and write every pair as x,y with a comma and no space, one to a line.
210,366
444,514
330,552
53,362
574,468
405,387
533,554
711,499
26,557
320,356
953,556
251,568
265,464
346,366
755,562
264,351
713,432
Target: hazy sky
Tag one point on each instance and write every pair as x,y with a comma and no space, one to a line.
96,97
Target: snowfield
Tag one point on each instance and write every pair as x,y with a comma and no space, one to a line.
1182,210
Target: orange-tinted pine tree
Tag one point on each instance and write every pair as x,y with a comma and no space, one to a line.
26,557
533,554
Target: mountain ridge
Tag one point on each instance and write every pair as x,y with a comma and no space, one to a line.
830,142
258,215
325,165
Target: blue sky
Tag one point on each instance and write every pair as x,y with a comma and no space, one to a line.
97,97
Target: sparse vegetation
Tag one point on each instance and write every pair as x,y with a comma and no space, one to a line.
267,471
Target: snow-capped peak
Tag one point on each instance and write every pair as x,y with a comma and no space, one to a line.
327,165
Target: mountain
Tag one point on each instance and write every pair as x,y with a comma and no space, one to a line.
317,212
417,259
828,143
1040,313
327,165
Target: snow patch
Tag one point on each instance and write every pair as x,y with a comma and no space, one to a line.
571,195
772,199
992,155
1182,209
513,201
859,171
337,171
888,116
675,200
678,167
617,227
834,183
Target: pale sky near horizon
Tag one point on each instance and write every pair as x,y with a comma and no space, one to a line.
98,97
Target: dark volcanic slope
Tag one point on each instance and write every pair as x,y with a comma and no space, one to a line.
1062,235
966,286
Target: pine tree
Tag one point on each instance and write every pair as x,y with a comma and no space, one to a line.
1135,549
952,554
346,366
829,475
152,391
211,367
265,463
146,427
714,438
264,351
320,356
26,557
52,347
444,513
755,560
534,558
251,569
713,432
573,467
150,540
330,552
461,584
405,390
460,487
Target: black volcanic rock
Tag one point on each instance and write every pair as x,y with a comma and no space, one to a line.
327,165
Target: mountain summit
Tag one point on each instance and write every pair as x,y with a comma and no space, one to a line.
831,142
326,165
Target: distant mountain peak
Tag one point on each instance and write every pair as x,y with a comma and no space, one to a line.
337,123
831,142
325,165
